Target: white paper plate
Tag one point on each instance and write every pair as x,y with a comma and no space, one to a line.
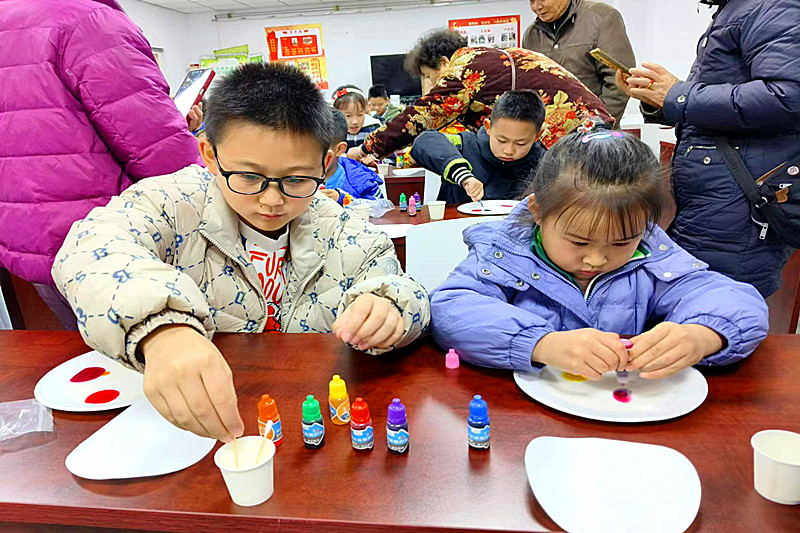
489,207
409,171
57,391
600,485
651,400
139,442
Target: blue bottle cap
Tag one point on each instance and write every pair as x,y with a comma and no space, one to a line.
478,410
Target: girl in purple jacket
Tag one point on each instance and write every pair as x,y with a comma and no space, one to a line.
580,262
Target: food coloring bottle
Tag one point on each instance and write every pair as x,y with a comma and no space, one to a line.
338,401
361,431
478,424
313,425
403,202
397,427
267,410
417,199
400,160
412,207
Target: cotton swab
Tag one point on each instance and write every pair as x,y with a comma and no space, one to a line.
235,454
267,429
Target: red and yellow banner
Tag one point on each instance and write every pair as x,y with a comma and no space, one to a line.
299,45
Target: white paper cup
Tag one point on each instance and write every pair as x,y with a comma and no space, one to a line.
361,211
776,468
383,169
436,209
251,483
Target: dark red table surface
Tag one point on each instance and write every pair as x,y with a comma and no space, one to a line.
440,485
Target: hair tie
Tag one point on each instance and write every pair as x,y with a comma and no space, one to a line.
345,91
600,135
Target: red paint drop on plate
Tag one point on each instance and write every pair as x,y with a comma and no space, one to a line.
506,205
622,395
88,374
103,396
477,210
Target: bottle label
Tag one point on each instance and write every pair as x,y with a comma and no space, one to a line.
478,437
397,440
363,439
340,414
313,432
275,434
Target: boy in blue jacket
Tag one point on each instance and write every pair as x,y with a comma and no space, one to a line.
493,164
346,177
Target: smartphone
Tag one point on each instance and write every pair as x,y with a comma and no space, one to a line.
600,55
192,89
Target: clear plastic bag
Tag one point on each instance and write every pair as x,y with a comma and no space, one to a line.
377,208
23,416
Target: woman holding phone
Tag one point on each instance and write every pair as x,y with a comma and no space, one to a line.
85,112
744,86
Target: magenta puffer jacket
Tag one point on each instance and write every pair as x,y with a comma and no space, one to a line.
84,112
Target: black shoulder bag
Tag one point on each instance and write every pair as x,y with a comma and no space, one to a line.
774,197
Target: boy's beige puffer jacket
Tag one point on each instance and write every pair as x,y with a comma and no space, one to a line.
168,250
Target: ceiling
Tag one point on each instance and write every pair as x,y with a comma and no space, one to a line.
267,6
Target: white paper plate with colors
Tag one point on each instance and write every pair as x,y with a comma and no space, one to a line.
610,486
89,382
641,400
488,207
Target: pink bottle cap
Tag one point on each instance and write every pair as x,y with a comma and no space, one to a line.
451,359
626,343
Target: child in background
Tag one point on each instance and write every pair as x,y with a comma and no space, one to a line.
493,164
581,262
379,104
353,104
240,247
344,177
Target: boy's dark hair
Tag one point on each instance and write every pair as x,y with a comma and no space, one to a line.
338,127
378,91
273,95
520,105
613,174
431,48
350,98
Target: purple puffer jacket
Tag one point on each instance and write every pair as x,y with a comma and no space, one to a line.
84,112
502,299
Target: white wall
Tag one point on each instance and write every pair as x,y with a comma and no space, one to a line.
664,32
165,29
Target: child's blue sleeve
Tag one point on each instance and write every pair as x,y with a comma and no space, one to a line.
474,316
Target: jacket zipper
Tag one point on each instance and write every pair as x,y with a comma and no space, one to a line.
692,147
302,286
260,292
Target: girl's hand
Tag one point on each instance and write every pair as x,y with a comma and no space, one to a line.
370,322
188,381
195,117
474,188
670,347
649,83
587,352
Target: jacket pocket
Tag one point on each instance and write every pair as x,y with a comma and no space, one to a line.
700,176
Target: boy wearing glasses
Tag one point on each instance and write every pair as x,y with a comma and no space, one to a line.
247,246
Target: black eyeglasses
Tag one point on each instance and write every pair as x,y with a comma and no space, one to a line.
250,183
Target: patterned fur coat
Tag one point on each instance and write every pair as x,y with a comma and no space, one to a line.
168,250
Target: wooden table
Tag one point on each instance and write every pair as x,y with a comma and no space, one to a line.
439,484
422,217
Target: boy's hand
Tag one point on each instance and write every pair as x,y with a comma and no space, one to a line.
333,194
670,347
587,352
474,188
188,381
370,322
